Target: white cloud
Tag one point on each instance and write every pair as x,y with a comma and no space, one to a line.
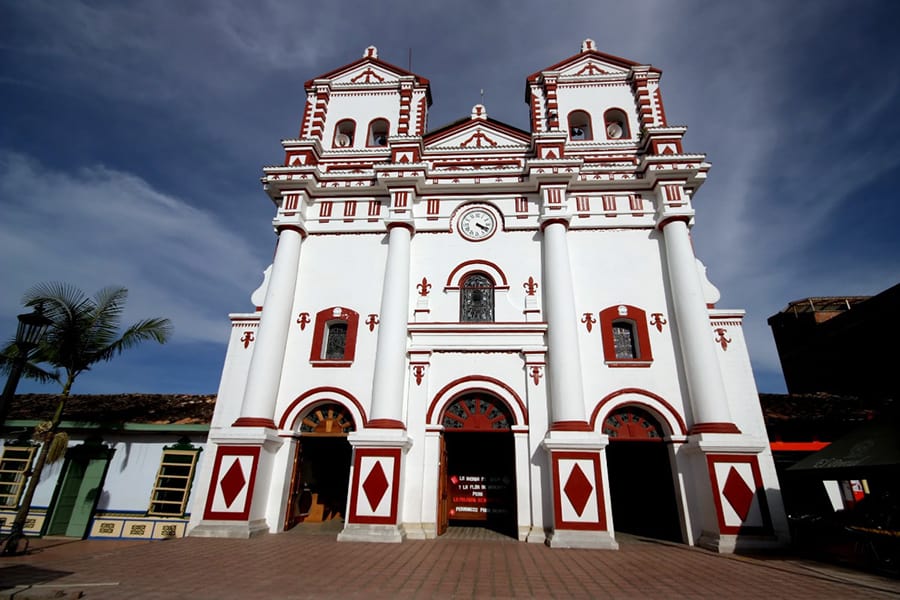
100,227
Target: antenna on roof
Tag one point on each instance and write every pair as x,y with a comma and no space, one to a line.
409,62
482,95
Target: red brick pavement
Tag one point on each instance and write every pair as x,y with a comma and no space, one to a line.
316,566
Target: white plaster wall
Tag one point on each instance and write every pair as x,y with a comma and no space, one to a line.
362,109
597,99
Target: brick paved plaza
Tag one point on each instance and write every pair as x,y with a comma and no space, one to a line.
297,565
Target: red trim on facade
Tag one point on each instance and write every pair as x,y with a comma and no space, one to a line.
323,318
356,489
408,226
558,522
683,218
669,419
608,317
759,493
283,424
475,380
570,426
486,265
714,428
563,222
254,422
227,451
385,424
295,228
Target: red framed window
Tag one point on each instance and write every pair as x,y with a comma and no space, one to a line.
334,337
626,341
344,133
616,123
580,126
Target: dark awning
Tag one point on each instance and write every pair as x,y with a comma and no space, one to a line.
873,445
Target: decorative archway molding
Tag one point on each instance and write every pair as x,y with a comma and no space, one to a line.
322,395
668,417
454,280
473,384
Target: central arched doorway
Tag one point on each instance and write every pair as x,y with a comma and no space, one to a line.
641,489
477,482
321,466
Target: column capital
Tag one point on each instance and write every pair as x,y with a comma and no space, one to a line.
546,220
408,224
667,216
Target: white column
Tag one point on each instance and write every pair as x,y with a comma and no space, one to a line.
258,406
701,365
390,352
564,359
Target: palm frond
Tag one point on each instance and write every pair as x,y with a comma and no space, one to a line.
157,330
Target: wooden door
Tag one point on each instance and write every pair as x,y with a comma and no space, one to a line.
67,497
443,516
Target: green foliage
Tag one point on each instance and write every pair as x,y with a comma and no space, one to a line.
85,330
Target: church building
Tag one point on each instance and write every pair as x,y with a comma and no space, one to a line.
479,325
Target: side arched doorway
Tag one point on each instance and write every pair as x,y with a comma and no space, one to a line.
477,480
321,471
641,487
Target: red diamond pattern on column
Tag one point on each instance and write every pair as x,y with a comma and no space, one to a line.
578,489
375,485
232,483
738,493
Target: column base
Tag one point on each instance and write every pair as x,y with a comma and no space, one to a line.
358,532
536,535
570,538
729,544
230,529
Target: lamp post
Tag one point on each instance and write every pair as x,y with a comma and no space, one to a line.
32,327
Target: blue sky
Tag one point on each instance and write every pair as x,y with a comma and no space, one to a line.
133,134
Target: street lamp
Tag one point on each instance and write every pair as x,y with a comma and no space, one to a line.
32,327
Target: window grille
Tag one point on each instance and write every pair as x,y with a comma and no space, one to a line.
477,299
14,466
624,340
173,482
336,342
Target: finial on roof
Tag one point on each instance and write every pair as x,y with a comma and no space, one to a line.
587,45
371,52
479,112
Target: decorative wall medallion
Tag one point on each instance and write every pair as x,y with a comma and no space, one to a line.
372,321
536,374
530,286
657,320
303,320
248,337
721,339
424,287
588,320
419,372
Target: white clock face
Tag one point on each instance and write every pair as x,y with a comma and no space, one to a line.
477,224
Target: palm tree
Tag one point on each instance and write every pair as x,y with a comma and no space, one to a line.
84,332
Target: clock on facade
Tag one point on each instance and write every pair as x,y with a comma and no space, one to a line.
477,224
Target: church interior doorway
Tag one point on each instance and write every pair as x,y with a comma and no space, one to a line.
477,479
641,489
321,467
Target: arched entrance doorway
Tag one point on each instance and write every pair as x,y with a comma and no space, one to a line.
641,489
321,466
477,481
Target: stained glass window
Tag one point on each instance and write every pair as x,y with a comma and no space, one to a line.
624,340
476,303
336,340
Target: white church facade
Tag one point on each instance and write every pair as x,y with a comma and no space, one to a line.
480,325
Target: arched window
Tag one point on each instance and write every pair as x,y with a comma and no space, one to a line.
334,337
616,124
476,299
632,423
477,412
344,133
378,133
580,126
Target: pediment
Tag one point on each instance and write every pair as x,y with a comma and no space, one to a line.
477,134
369,70
590,65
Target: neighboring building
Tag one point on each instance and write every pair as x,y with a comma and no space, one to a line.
128,471
840,344
484,325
